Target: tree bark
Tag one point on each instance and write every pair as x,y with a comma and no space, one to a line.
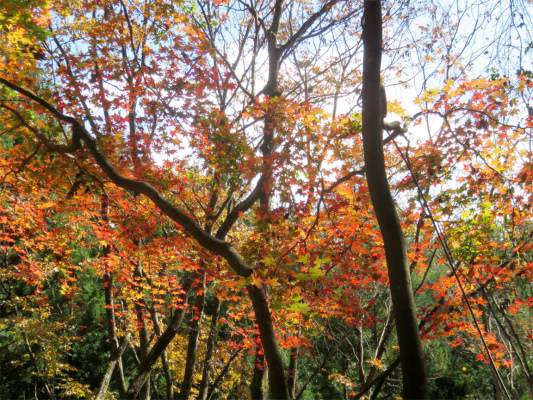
192,347
222,374
293,370
111,332
144,336
111,366
110,310
414,373
276,376
160,345
40,377
164,358
204,384
257,391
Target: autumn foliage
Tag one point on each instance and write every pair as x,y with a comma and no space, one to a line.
184,203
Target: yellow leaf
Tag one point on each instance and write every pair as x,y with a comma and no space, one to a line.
272,282
256,280
303,259
267,261
318,261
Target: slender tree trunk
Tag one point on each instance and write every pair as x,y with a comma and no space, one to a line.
360,355
517,348
164,358
499,393
324,361
110,311
204,384
276,376
293,371
111,366
160,345
49,391
222,374
257,391
192,347
414,373
112,334
144,336
387,331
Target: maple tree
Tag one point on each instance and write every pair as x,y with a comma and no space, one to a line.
201,196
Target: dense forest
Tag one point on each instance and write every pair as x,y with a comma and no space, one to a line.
266,199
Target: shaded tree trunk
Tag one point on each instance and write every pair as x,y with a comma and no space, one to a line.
222,374
204,384
276,376
192,347
110,312
293,371
414,373
164,359
257,391
111,366
112,334
49,391
144,336
161,344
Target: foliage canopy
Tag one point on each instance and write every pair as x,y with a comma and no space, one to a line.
187,201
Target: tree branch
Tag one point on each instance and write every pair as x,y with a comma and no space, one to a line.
206,240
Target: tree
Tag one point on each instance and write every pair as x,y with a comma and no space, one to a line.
181,157
411,353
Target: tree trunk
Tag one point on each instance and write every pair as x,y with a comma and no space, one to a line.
204,384
110,311
115,357
192,347
160,345
276,376
293,370
222,374
257,391
164,358
144,336
411,354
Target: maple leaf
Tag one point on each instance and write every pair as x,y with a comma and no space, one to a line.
268,261
255,280
272,282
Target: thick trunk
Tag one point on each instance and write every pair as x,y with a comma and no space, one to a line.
276,375
411,354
